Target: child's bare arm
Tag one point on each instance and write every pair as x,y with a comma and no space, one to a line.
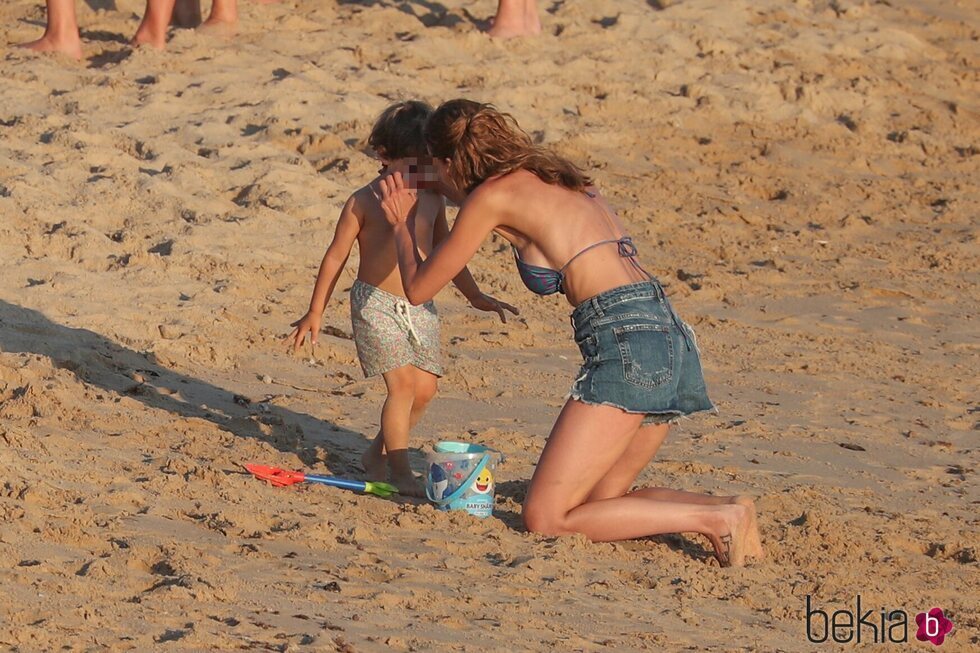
464,281
348,227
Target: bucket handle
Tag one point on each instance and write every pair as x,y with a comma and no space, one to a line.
501,457
458,492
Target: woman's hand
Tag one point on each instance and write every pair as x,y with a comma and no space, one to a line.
483,302
397,199
309,323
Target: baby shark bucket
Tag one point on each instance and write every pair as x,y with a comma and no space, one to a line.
460,477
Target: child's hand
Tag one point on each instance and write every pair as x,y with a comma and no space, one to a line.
309,323
484,302
397,199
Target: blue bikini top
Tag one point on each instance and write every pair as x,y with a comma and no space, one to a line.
545,281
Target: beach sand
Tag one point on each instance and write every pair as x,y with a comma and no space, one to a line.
801,176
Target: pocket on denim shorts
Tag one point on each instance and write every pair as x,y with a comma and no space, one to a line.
647,351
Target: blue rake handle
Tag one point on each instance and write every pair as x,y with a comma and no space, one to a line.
379,489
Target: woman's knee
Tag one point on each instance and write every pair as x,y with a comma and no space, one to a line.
610,489
542,519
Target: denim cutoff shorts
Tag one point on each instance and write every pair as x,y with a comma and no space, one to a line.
638,355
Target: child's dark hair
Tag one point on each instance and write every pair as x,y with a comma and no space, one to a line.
400,131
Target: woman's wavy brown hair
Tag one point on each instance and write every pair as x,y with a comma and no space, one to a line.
481,142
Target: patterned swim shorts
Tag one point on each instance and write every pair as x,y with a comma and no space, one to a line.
389,332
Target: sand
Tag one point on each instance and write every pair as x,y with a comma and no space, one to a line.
802,176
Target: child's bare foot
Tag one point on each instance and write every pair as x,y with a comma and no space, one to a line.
68,43
407,484
730,543
374,462
753,542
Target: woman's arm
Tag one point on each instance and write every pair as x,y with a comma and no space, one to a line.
422,280
464,281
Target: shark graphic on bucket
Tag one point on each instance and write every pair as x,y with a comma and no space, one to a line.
460,477
438,482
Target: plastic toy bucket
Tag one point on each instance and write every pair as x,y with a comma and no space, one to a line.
460,477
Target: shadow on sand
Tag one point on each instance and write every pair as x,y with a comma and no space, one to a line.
103,363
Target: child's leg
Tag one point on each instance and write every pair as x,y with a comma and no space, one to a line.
153,29
396,415
426,385
61,33
374,460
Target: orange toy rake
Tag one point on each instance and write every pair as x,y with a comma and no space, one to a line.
281,478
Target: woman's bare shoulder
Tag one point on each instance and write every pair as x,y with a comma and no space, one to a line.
506,188
488,195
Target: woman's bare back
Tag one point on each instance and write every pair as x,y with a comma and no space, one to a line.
549,225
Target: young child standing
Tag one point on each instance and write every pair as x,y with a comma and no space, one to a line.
393,338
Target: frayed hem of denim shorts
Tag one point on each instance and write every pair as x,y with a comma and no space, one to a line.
671,417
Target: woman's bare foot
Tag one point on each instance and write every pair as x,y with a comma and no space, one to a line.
407,484
730,542
69,44
753,542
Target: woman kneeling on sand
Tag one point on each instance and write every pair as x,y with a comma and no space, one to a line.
641,364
